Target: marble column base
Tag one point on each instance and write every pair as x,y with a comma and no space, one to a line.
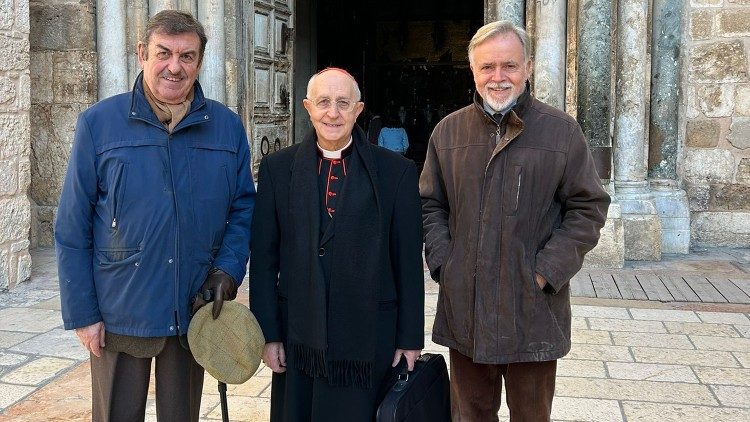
673,209
641,222
610,251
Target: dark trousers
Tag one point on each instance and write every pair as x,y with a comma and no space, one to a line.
476,388
120,385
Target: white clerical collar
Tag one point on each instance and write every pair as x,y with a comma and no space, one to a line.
334,154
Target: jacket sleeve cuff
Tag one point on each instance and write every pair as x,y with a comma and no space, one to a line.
231,270
555,279
83,322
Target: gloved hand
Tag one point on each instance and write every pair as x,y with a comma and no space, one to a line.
219,286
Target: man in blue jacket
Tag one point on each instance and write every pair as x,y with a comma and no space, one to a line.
155,212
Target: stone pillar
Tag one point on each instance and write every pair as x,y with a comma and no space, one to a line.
671,201
63,83
511,10
15,173
191,6
549,69
594,101
137,18
642,226
213,73
110,45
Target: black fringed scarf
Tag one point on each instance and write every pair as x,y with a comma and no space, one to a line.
333,308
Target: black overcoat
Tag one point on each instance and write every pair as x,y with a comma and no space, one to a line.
286,244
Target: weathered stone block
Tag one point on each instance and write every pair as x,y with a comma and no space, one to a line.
703,133
715,100
724,61
53,130
74,77
66,26
44,224
739,1
742,100
8,88
726,229
41,77
15,218
705,3
8,178
691,111
24,175
739,132
4,270
698,195
23,269
709,165
642,237
22,16
14,132
610,251
24,91
6,14
19,246
15,52
732,197
743,171
734,22
701,24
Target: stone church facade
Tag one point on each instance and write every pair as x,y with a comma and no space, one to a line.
660,87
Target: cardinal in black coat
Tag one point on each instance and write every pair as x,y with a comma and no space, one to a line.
336,275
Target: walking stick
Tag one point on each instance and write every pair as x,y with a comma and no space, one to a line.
223,397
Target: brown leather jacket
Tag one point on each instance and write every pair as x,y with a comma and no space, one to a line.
501,202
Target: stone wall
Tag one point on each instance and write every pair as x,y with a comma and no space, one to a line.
63,83
716,166
15,261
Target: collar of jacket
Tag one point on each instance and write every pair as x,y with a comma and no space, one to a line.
515,115
140,109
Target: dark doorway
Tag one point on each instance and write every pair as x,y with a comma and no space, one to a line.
409,57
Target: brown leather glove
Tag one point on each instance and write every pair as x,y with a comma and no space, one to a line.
219,286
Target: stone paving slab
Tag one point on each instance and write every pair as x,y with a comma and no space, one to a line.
631,360
661,412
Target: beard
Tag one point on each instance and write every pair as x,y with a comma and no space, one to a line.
495,104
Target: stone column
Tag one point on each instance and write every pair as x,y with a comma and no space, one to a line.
642,227
137,18
549,69
110,45
594,99
213,73
671,201
15,168
512,10
155,6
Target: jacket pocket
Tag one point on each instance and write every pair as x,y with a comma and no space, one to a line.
512,190
117,255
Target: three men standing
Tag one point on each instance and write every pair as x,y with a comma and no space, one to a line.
511,204
155,208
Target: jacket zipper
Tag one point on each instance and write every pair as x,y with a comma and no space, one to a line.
175,260
117,194
481,202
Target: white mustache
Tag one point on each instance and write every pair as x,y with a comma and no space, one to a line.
499,85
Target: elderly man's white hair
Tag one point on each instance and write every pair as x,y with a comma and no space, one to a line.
355,86
496,28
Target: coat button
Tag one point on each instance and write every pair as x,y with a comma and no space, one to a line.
321,251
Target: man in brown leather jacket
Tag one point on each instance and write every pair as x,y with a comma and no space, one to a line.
511,204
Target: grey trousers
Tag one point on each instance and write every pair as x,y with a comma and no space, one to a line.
120,385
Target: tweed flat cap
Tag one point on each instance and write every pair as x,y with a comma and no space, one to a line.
230,347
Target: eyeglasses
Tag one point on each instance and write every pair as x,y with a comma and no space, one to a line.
341,104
